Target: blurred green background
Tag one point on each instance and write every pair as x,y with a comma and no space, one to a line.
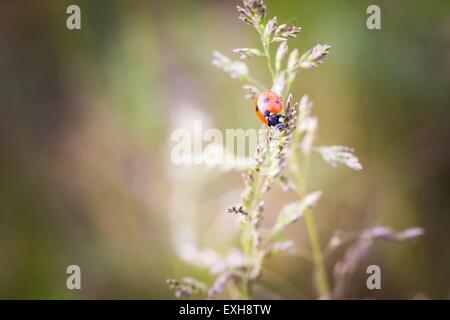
86,118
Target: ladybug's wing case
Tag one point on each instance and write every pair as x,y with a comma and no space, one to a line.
268,102
259,113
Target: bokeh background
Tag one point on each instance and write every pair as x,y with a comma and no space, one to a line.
85,124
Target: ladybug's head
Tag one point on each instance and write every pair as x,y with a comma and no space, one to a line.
274,120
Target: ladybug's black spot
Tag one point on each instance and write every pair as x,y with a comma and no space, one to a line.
266,113
266,100
256,108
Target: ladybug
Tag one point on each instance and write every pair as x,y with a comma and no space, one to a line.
268,107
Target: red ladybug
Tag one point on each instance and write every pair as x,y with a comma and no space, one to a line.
268,106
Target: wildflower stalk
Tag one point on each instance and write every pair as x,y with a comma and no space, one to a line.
255,250
320,276
266,48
